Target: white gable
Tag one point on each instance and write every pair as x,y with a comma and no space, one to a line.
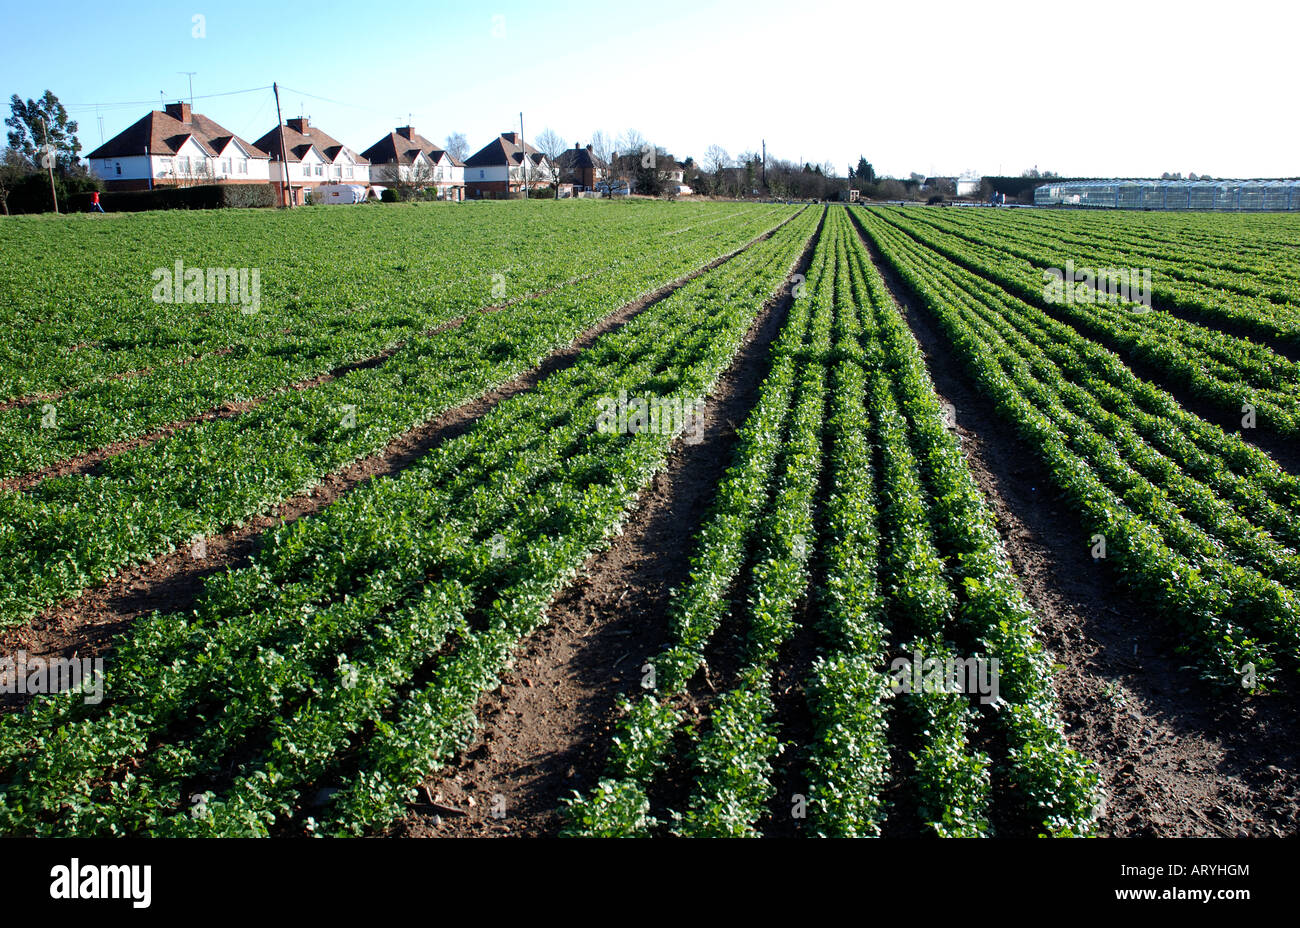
192,149
235,150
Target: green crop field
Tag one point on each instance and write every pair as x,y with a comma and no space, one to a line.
325,492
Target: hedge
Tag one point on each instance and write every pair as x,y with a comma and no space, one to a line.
204,196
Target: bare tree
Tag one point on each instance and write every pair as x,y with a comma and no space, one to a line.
457,145
552,145
632,142
407,181
602,146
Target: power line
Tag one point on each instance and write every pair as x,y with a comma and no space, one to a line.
205,96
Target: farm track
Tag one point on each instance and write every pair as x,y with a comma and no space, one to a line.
1175,758
85,625
546,728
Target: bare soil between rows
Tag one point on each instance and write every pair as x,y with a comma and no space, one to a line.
1177,757
547,727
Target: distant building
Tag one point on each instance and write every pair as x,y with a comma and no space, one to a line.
403,156
504,166
177,147
1228,195
580,167
312,159
968,185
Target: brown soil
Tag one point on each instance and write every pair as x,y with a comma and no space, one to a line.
86,625
1176,757
546,729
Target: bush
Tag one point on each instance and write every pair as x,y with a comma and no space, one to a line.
389,195
32,193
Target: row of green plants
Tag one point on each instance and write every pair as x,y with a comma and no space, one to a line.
1224,253
901,547
1054,787
1210,364
1207,576
309,345
1263,319
1253,546
314,689
77,301
70,532
647,736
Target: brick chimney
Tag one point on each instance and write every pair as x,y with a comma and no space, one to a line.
511,137
179,111
406,132
298,124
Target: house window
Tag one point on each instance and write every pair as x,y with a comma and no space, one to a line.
225,165
480,174
164,166
108,164
338,172
243,165
350,171
118,165
183,165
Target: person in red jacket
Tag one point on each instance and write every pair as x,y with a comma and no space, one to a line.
94,202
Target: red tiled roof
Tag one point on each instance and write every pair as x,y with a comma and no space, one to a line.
401,145
299,143
505,149
162,134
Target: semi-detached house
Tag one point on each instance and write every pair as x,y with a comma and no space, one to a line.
504,166
312,158
404,157
177,147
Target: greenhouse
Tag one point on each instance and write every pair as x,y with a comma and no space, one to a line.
1246,195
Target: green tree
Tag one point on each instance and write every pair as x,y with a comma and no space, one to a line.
864,173
35,122
13,169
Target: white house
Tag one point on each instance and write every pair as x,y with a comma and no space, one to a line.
504,166
404,157
311,158
179,148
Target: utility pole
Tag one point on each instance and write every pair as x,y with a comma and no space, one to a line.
49,163
284,163
764,164
523,153
190,75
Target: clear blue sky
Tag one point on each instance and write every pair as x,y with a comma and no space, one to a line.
1129,87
